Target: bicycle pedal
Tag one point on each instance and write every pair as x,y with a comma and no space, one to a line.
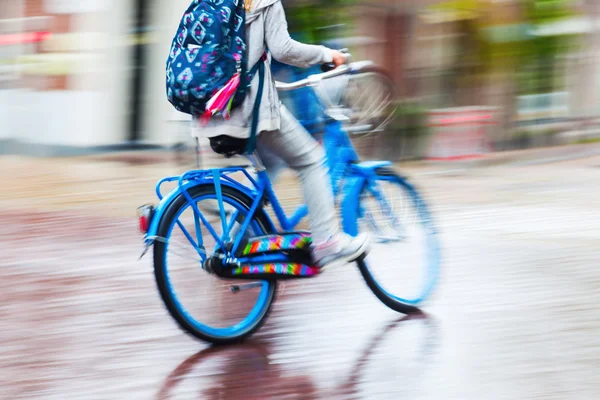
239,288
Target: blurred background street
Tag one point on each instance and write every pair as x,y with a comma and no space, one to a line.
513,316
493,114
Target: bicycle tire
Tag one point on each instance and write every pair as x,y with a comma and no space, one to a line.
394,301
160,267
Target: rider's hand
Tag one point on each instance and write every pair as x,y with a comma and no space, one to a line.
339,58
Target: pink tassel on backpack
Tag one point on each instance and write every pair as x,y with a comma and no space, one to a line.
221,101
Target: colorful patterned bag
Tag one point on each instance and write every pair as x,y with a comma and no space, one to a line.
207,67
290,257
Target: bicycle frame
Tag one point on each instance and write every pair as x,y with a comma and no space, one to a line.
342,161
251,247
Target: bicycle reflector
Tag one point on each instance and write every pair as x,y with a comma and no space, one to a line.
145,214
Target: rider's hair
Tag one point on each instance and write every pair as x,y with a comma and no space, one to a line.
248,5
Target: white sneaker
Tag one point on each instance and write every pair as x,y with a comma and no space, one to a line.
340,248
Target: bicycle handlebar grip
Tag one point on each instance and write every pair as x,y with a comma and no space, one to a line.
327,67
331,66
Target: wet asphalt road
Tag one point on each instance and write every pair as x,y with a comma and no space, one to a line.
514,317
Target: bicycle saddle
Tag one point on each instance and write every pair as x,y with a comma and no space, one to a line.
227,145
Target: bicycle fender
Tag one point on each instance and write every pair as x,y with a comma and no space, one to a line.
350,204
166,201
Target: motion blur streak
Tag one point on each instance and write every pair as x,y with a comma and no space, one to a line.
493,110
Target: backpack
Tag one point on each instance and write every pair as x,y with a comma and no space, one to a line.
207,65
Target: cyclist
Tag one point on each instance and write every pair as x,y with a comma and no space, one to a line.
280,134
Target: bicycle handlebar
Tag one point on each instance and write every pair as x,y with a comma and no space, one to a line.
315,79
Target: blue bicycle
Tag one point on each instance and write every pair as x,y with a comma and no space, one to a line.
238,254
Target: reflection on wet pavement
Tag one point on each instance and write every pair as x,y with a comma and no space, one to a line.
239,365
513,317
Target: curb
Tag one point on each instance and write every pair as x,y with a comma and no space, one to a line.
13,147
148,153
537,156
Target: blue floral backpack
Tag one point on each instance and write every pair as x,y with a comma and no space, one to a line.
207,65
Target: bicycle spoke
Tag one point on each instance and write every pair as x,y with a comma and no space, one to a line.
182,246
189,238
361,96
375,107
386,209
386,102
368,98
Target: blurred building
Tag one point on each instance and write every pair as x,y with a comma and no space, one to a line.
62,89
76,74
93,75
391,33
84,73
536,61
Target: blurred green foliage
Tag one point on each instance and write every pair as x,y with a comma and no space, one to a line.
499,40
308,18
543,50
410,119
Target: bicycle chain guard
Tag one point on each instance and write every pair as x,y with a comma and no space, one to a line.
279,256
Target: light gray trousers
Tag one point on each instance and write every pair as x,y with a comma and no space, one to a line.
294,146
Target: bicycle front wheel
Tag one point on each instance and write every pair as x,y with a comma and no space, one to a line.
202,304
402,266
371,98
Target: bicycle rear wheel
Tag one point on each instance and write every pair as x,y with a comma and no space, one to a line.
402,266
202,304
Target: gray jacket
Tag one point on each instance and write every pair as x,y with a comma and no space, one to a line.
266,28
